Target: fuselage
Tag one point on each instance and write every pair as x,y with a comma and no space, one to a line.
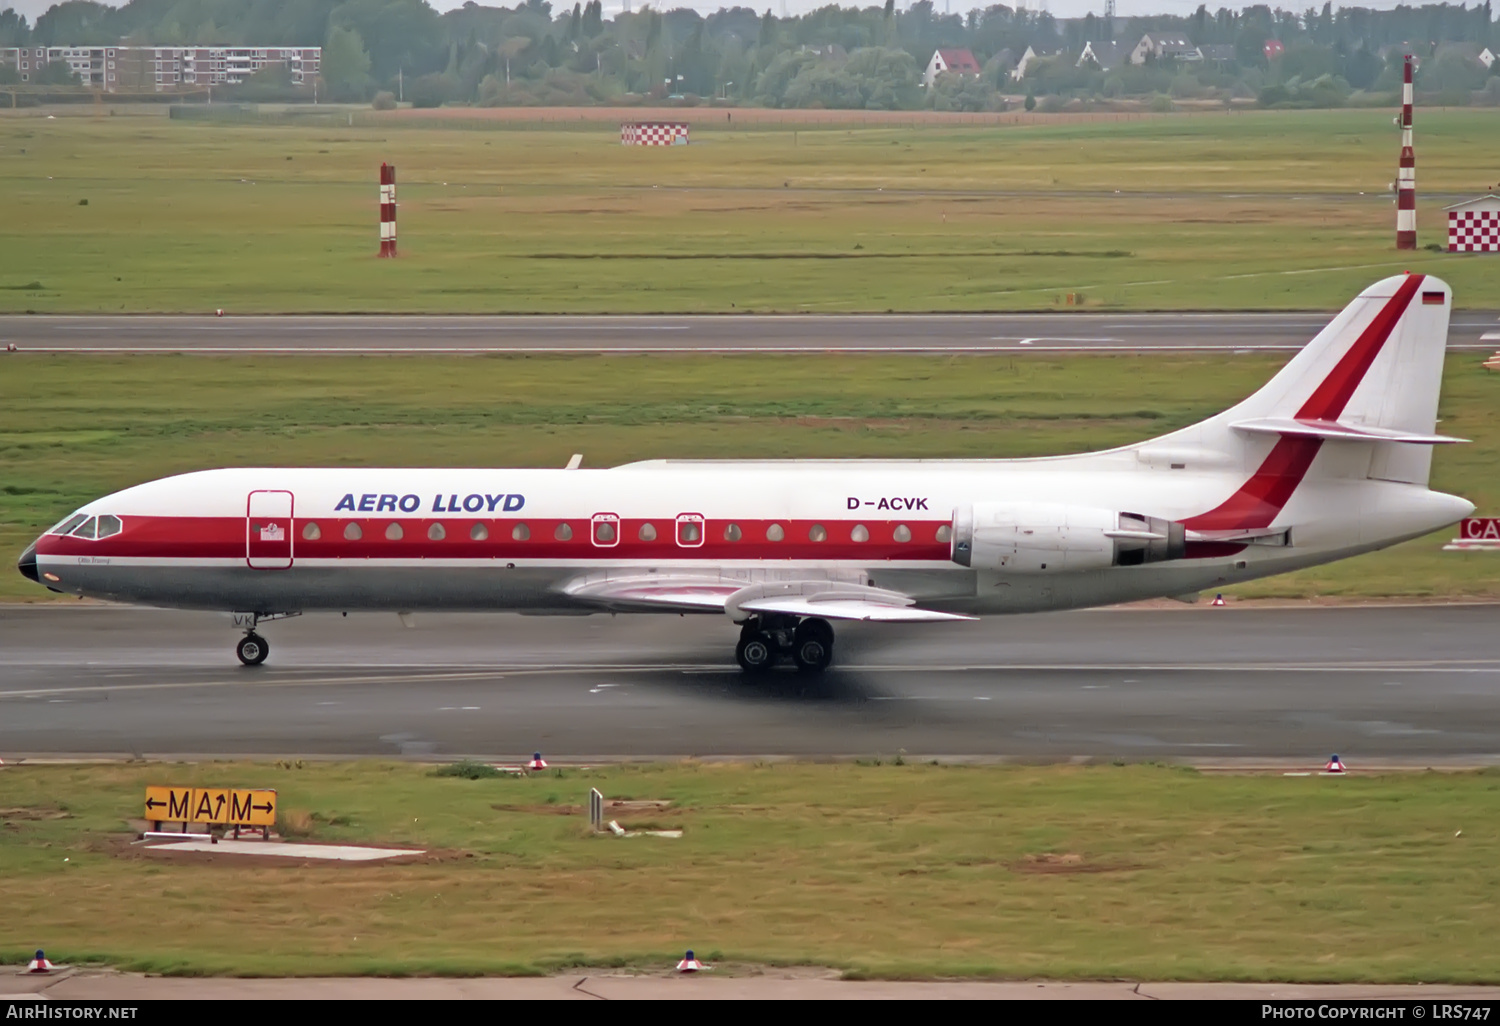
293,540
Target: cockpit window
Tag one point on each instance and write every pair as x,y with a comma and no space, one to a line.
109,526
86,529
67,525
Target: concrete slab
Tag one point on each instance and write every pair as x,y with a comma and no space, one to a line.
333,852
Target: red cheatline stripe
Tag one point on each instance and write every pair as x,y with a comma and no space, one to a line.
1261,498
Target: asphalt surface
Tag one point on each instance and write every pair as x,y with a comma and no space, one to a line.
1375,684
734,985
891,333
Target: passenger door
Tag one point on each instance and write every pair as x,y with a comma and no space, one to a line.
269,530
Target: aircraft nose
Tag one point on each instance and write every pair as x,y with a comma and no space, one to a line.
27,564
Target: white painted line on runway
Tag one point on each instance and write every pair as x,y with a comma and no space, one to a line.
1048,338
1490,336
727,669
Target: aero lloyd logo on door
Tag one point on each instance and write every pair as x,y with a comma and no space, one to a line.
475,502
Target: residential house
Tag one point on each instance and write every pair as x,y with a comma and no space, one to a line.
950,62
1160,48
1104,56
1031,54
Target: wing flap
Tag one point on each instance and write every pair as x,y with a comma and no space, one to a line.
840,607
658,594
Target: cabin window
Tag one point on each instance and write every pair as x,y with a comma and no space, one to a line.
352,532
732,532
86,529
66,526
563,533
606,529
775,533
109,526
520,532
393,532
311,531
817,533
646,533
689,530
861,533
902,533
945,534
478,532
436,533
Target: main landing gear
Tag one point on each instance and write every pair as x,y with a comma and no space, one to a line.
765,639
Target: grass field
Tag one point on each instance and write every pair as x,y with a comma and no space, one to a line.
72,429
1244,210
1136,872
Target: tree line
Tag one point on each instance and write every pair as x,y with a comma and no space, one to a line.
848,57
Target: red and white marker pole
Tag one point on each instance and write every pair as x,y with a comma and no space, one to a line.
1406,174
387,210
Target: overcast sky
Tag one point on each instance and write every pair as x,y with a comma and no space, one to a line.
1060,8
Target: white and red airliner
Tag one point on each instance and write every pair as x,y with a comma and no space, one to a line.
1328,460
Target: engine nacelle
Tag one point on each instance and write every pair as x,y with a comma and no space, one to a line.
1038,537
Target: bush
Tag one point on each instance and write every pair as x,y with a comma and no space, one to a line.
467,770
384,101
432,90
1161,104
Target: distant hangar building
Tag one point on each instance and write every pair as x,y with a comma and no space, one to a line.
164,69
1474,225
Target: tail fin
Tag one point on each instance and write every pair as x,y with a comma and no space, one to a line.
1371,376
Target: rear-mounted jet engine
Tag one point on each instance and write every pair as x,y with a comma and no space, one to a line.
1032,537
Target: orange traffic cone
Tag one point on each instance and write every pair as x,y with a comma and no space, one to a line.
690,964
39,964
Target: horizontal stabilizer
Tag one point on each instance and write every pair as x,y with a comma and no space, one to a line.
1335,431
840,607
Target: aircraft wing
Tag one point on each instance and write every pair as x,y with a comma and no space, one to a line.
841,607
829,599
1335,431
661,594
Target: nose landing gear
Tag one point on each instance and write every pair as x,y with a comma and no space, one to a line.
764,640
252,649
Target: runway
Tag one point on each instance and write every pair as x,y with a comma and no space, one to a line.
1375,684
934,333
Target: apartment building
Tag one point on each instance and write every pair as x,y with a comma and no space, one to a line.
163,69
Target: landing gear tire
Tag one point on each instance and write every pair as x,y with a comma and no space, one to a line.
755,652
252,650
812,646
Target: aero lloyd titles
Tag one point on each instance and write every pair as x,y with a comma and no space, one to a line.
371,502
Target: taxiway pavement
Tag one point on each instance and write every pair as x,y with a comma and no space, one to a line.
1381,684
937,333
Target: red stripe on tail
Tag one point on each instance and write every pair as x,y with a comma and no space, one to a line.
1261,498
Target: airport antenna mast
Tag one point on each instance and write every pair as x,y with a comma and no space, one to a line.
1406,173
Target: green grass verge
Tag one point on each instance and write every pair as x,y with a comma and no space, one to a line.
1250,210
72,429
1136,872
